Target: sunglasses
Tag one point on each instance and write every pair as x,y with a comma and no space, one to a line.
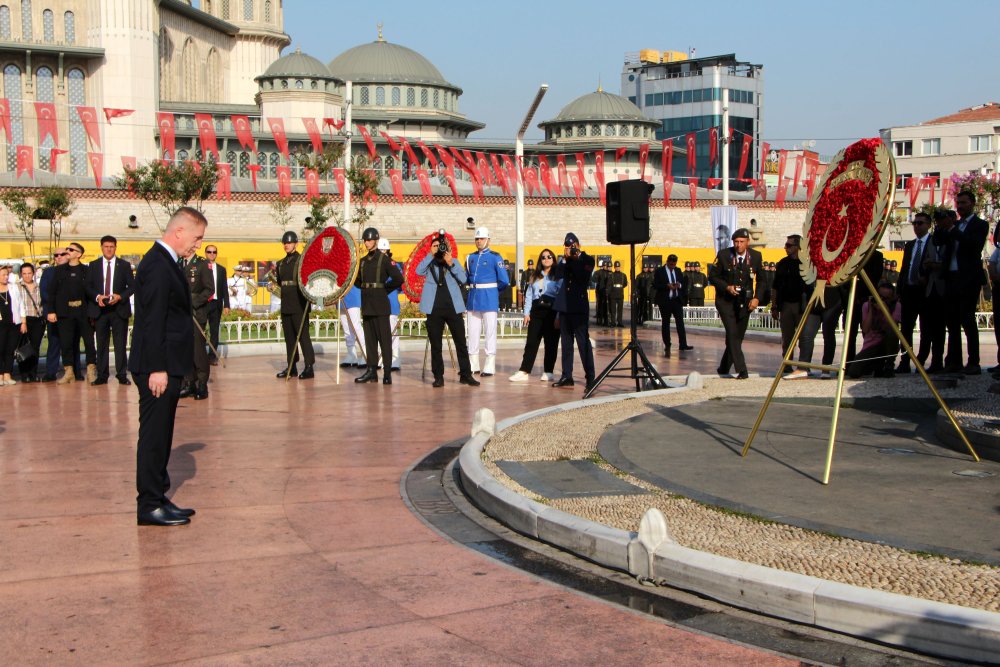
60,254
211,252
547,257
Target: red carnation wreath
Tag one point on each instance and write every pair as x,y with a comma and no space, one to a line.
328,265
848,213
413,284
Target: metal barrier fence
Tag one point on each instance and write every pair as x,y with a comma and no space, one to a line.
761,319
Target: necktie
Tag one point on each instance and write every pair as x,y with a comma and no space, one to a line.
673,292
915,261
107,278
180,263
211,267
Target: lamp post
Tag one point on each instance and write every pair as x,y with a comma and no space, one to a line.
348,102
518,185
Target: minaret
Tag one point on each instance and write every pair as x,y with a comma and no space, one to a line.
258,43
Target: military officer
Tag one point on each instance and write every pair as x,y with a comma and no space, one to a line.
640,300
617,282
601,291
697,282
377,276
487,278
294,312
202,285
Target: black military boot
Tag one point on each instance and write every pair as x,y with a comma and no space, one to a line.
286,373
187,389
201,391
371,375
307,373
469,380
387,377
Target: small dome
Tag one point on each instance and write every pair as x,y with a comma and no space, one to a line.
297,64
598,106
385,62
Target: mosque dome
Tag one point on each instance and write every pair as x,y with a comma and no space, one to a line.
385,62
297,64
602,117
599,105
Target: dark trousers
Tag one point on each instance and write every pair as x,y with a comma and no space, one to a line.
919,307
871,360
640,309
435,333
290,323
156,434
541,327
996,316
961,301
109,327
616,309
378,335
852,335
575,326
697,301
71,329
672,307
202,368
214,322
54,350
10,336
602,307
735,318
36,328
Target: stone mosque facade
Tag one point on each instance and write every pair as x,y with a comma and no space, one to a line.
224,58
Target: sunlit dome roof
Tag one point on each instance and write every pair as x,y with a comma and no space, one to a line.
298,64
599,105
385,62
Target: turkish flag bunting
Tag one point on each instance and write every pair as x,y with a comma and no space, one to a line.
414,160
244,133
812,166
599,174
759,188
223,186
165,123
713,146
284,181
581,162
393,146
396,177
765,150
712,183
88,116
501,176
779,199
116,113
277,127
314,136
54,153
782,160
693,190
944,191
429,154
206,133
5,118
484,169
370,195
96,161
530,176
690,141
368,140
425,182
798,173
619,154
744,155
668,185
338,176
513,173
561,170
334,123
254,170
477,189
643,156
471,163
667,158
195,165
25,161
546,174
576,178
312,183
449,175
46,112
128,161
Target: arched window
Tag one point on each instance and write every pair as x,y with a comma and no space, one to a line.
182,155
213,76
4,22
609,130
231,158
244,171
423,97
248,10
411,100
395,96
595,130
48,26
364,96
77,95
12,91
380,96
26,32
166,56
45,91
225,9
69,28
267,11
272,170
189,71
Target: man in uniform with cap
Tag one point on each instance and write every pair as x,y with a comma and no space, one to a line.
525,280
639,285
377,276
294,312
354,336
697,281
738,279
199,279
487,278
573,305
617,282
601,291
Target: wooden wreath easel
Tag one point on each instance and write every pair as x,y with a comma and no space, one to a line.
841,369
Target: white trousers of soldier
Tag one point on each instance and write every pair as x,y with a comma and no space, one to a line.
393,319
478,321
352,336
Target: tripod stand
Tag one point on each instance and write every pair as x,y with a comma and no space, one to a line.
646,371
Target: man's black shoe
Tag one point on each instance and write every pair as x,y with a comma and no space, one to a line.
98,382
214,361
161,516
467,379
48,378
564,382
972,369
438,382
124,381
386,378
178,511
201,391
685,348
28,379
743,376
903,368
589,386
187,389
286,373
954,368
722,371
934,369
307,373
370,376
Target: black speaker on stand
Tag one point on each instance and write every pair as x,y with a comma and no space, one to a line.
627,217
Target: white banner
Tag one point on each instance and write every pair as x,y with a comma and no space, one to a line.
723,225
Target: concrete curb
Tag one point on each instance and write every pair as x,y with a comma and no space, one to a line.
986,443
921,625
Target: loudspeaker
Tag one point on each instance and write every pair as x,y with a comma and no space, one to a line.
627,211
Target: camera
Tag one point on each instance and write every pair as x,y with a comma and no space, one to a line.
443,247
574,251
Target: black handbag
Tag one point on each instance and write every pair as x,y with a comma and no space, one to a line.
24,351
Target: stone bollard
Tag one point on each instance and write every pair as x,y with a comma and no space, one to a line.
695,380
484,421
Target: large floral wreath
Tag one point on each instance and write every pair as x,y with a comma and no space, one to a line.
327,266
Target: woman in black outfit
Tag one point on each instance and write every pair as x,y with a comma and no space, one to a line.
541,320
33,323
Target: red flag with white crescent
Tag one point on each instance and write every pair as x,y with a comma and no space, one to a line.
745,155
368,140
576,178
530,176
667,157
429,153
545,172
254,170
116,113
88,117
334,123
393,146
25,161
500,174
338,176
798,173
477,189
765,149
425,183
563,173
165,123
599,174
47,126
759,188
414,161
643,156
619,154
470,164
277,127
779,198
484,169
128,161
314,136
396,178
668,185
312,183
581,162
446,157
206,134
812,166
223,186
691,142
693,190
5,118
513,173
54,153
712,183
284,181
96,161
449,175
713,146
244,133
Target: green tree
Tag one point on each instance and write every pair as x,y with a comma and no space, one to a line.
360,178
16,202
51,203
170,185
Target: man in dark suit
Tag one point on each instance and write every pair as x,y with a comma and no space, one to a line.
162,354
671,288
60,256
738,278
912,290
67,307
218,303
964,240
573,305
109,287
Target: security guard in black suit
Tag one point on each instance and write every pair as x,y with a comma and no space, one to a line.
202,286
601,291
697,282
639,285
294,309
617,282
738,278
377,276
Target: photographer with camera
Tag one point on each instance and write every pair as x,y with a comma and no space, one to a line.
441,301
573,307
879,346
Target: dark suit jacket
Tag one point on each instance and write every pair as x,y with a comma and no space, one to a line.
969,250
162,333
660,282
199,279
221,286
726,272
122,285
904,272
575,274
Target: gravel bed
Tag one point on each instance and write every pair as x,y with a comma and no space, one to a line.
745,538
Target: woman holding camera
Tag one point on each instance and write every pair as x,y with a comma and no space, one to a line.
540,319
441,301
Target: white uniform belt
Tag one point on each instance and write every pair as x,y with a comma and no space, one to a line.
484,285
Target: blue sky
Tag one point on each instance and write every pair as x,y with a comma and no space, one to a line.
834,71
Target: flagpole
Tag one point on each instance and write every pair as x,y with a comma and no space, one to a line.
518,185
346,194
725,146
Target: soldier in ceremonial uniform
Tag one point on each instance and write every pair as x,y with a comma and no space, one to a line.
890,273
617,282
67,308
650,292
487,278
377,276
601,291
697,282
202,285
739,285
524,282
640,301
294,312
